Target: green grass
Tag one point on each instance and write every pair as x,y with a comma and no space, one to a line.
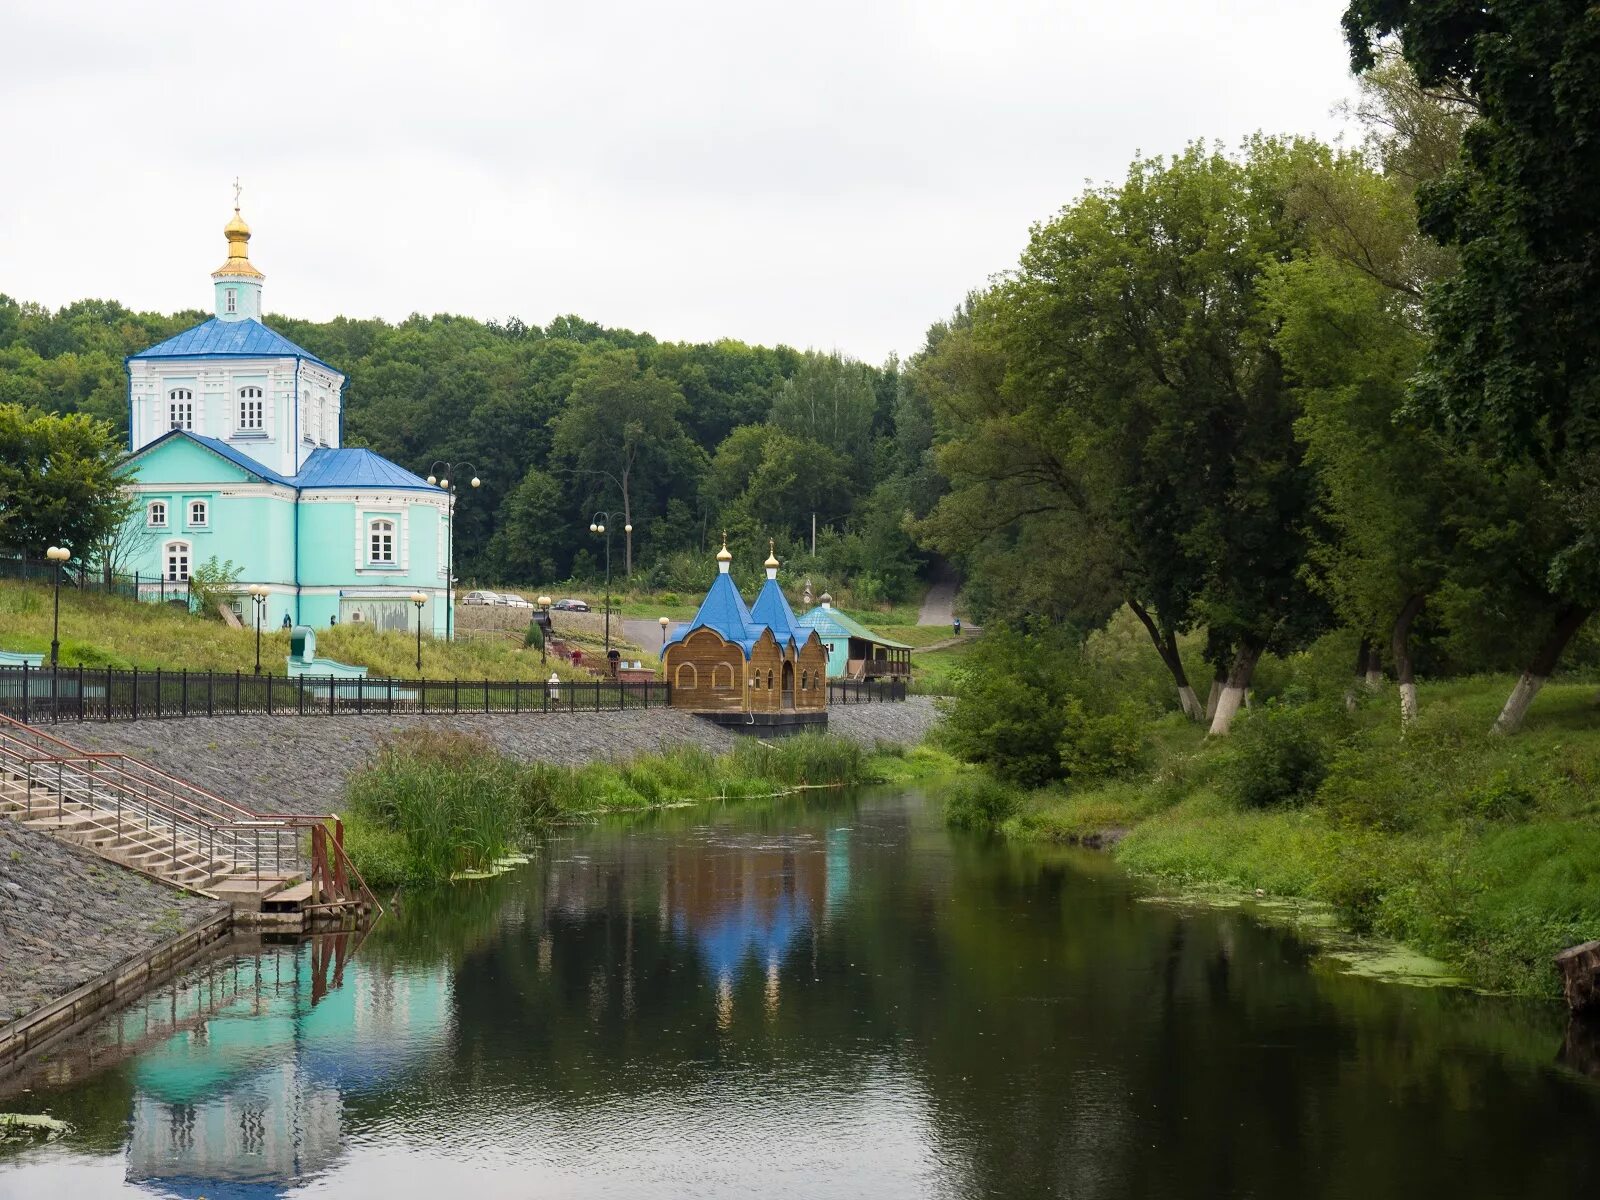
1481,851
933,672
102,631
433,804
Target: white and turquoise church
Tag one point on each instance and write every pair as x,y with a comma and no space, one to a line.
235,435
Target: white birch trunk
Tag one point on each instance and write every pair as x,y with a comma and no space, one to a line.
1228,705
1190,702
1517,705
1408,703
1374,678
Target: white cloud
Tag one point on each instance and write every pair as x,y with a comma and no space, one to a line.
831,174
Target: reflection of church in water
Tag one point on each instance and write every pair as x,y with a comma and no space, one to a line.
247,1098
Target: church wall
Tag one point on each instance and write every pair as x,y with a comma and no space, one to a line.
716,667
812,668
765,675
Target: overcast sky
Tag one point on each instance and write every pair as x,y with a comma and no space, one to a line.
835,175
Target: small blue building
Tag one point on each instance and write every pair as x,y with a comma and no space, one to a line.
236,434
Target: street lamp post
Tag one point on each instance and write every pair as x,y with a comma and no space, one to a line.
58,555
598,526
419,600
258,593
544,634
664,622
439,475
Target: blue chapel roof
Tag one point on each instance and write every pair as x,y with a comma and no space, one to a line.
724,612
772,610
246,338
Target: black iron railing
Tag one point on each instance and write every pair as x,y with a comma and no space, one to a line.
38,694
866,691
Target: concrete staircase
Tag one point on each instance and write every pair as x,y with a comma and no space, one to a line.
271,869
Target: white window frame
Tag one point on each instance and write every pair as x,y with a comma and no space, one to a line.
252,410
180,409
383,527
233,300
184,552
204,507
155,514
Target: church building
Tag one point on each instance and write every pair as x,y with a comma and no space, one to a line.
236,439
744,666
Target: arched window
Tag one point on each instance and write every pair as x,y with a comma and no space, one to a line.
180,409
156,514
233,299
722,675
177,556
687,677
199,511
769,678
380,542
805,681
252,410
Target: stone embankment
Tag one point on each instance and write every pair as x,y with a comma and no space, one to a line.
288,764
66,915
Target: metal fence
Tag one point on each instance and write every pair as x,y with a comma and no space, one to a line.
867,691
39,694
84,579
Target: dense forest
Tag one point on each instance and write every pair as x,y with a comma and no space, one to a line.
680,441
1253,396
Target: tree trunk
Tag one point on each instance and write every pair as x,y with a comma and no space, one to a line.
1400,645
1219,680
1568,622
1363,657
1233,690
1166,643
627,528
1374,668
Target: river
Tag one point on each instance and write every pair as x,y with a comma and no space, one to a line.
829,998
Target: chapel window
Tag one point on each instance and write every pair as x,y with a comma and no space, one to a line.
156,514
198,512
233,299
381,542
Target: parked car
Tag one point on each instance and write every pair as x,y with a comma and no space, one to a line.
571,606
481,597
512,600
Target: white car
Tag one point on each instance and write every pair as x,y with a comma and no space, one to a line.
512,600
481,597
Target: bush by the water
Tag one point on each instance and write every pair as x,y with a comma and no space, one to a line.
1278,754
433,804
981,802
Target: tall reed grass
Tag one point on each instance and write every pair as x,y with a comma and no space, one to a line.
434,803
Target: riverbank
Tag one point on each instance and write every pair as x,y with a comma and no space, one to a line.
283,764
1482,852
66,915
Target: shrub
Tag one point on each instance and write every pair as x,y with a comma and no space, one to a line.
1278,756
982,802
1095,746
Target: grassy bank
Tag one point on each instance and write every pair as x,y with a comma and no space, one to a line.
1480,851
102,631
433,804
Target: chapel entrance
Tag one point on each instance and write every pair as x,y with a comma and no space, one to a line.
788,685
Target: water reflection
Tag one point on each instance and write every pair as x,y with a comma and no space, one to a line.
834,999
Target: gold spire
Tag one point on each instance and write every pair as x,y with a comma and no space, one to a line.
723,555
238,235
772,554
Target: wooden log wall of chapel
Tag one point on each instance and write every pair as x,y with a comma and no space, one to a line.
706,673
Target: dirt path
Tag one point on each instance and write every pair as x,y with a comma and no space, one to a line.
939,605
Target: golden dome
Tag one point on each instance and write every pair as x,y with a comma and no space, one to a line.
723,555
238,235
772,554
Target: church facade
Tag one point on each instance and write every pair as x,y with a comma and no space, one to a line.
236,438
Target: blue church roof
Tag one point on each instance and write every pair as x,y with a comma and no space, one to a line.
246,338
324,468
355,467
724,612
772,610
